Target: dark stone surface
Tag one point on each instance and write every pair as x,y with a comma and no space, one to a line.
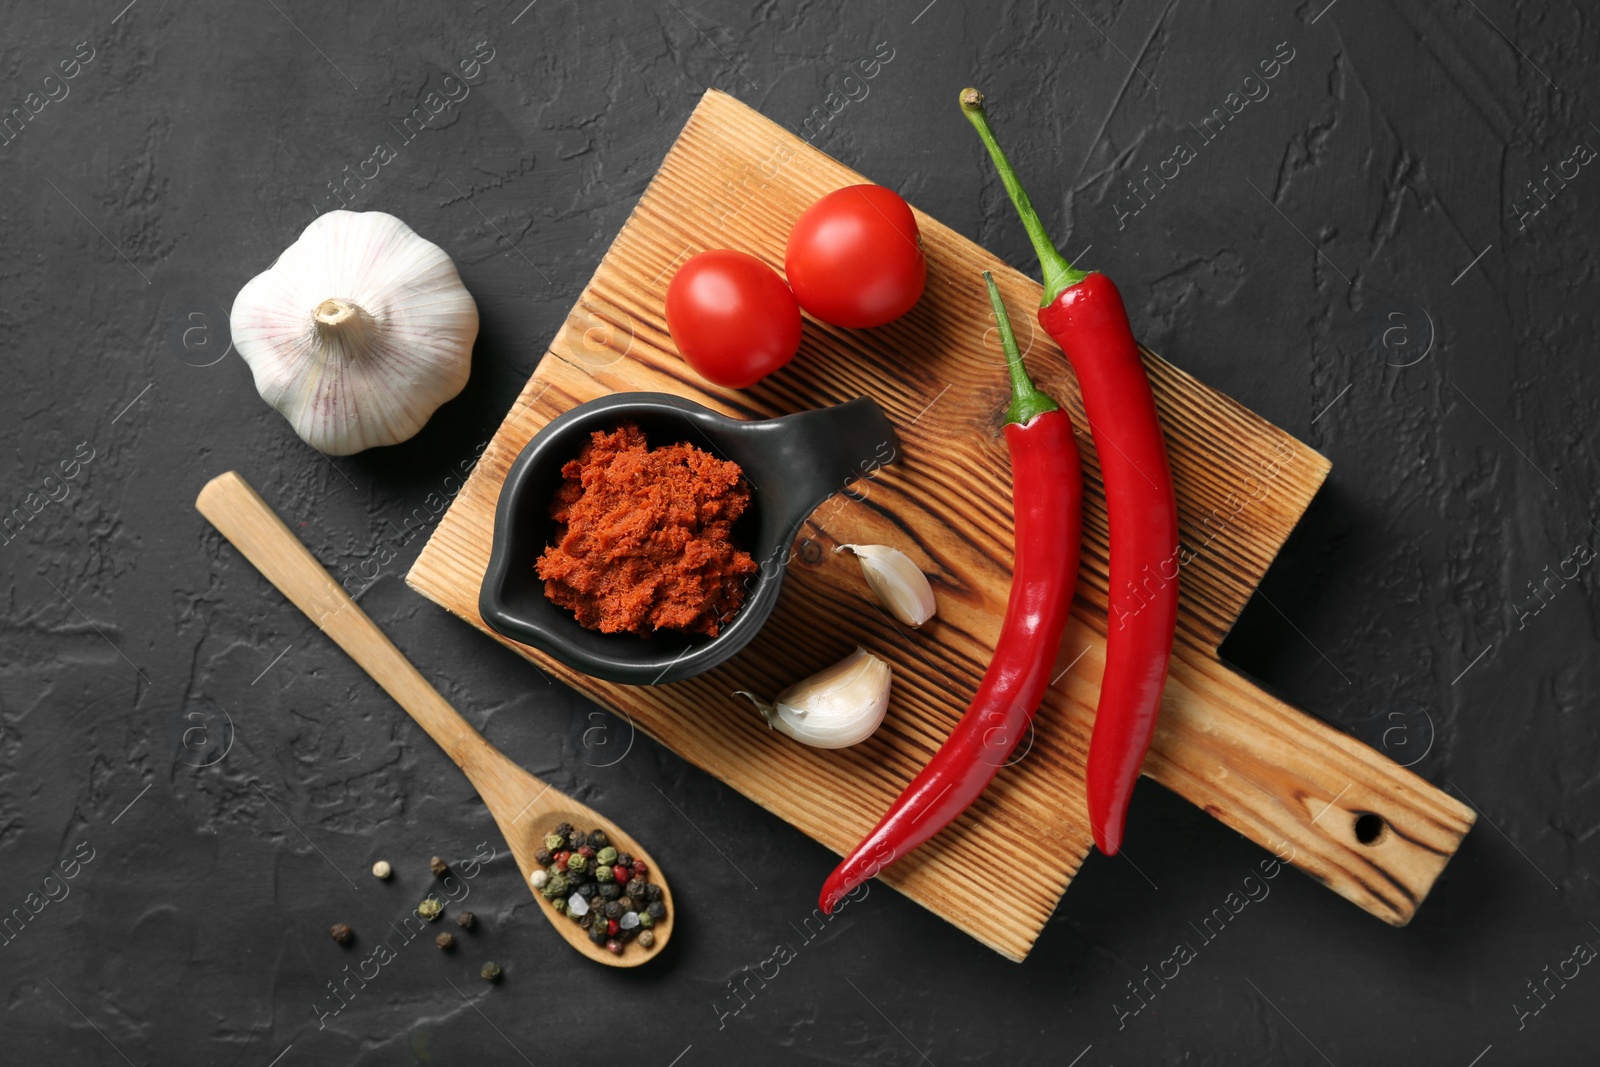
1389,155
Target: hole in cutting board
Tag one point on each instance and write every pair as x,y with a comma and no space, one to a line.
1369,828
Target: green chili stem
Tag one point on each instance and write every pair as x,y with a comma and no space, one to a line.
1059,275
1027,401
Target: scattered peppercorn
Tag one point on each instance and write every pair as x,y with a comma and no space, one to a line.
445,941
490,972
342,933
605,891
381,869
465,920
439,867
431,909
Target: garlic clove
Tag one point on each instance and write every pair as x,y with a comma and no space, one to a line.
358,332
898,582
839,706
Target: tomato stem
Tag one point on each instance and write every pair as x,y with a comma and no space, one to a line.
1059,275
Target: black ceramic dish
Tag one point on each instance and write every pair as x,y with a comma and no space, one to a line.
792,463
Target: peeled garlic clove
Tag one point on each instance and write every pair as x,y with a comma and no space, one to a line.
358,332
899,583
833,708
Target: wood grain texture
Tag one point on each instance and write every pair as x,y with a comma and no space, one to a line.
524,807
736,180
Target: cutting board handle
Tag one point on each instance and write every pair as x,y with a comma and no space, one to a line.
1364,826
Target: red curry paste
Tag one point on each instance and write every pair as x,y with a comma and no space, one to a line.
645,539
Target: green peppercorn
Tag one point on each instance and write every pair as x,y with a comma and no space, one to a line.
576,862
341,933
604,875
606,856
646,920
647,939
465,920
557,888
490,972
555,842
431,909
656,910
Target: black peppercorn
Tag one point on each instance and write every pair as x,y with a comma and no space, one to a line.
586,920
597,933
465,920
656,910
587,890
576,840
636,889
652,892
598,840
624,860
610,891
445,941
564,829
543,857
613,910
342,933
439,867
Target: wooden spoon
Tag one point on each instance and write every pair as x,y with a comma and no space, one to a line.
523,807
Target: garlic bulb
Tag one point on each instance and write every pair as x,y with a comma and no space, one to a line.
902,587
835,707
358,332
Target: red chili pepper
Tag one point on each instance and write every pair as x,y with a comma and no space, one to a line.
1083,312
1046,492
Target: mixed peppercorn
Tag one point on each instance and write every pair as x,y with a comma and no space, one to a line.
606,892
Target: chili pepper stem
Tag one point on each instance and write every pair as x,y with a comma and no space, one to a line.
1027,402
1059,275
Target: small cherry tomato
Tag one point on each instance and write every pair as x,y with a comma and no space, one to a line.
855,257
732,318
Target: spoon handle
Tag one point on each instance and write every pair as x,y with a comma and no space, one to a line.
240,514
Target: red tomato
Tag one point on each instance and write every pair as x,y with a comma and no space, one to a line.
732,317
855,257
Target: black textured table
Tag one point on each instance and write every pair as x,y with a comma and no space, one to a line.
1323,210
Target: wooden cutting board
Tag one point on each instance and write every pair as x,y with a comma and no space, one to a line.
1286,781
